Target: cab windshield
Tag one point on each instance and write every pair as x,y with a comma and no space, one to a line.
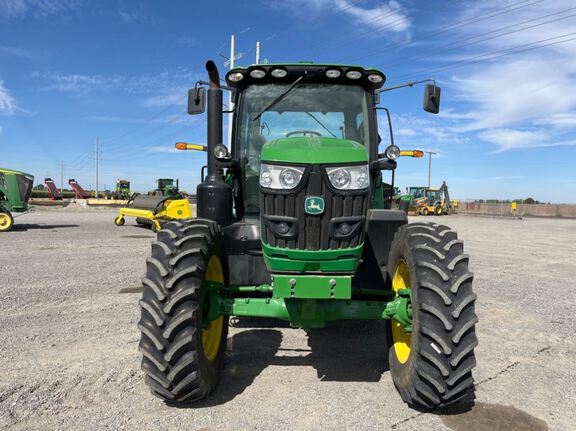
326,110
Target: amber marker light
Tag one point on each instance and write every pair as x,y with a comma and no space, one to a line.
412,153
186,146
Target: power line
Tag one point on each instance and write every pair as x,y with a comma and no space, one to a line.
388,26
137,144
137,128
494,54
491,14
451,48
141,151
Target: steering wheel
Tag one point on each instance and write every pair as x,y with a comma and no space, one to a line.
304,132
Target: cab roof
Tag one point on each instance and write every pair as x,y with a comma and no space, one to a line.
12,171
313,73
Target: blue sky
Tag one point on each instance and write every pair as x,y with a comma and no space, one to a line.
72,71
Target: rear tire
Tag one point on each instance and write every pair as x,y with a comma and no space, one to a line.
438,210
436,369
183,355
6,220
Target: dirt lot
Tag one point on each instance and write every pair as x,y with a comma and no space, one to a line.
68,340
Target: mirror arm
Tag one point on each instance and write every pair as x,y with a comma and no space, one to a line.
407,84
223,87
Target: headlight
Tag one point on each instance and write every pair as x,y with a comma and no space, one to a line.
392,152
235,77
280,177
349,177
257,73
220,152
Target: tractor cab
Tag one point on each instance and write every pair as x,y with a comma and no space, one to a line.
167,187
302,114
122,189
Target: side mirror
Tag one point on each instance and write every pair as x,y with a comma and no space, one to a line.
196,100
431,101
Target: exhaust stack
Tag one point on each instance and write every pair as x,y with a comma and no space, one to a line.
214,196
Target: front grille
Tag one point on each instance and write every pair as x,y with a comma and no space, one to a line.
313,232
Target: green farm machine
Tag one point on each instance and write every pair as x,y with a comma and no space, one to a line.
122,190
15,190
167,187
291,225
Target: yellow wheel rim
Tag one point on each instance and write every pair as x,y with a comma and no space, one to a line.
5,222
402,340
212,336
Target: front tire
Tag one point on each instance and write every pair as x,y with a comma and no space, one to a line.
432,366
183,352
6,220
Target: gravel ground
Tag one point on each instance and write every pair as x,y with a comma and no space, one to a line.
69,296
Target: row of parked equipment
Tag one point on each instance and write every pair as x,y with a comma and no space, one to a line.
163,203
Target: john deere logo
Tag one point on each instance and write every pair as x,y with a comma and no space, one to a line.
314,205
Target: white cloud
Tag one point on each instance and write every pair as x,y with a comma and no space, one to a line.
525,100
132,12
387,17
165,88
78,83
426,133
162,149
12,51
169,97
405,132
8,104
15,8
508,139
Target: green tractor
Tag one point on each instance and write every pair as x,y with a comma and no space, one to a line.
167,187
122,190
291,225
15,190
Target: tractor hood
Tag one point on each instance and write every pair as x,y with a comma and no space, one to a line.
314,150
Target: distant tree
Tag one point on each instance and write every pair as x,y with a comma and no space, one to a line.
40,187
529,201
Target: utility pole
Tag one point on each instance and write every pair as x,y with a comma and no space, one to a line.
230,104
62,177
96,189
430,167
257,52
